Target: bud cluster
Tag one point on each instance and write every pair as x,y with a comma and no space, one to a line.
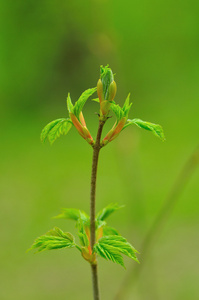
106,90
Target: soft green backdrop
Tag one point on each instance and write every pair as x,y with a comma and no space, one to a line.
49,48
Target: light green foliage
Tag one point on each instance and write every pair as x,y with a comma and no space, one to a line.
79,104
117,111
69,104
126,107
155,128
53,239
121,112
82,222
107,211
72,214
82,232
96,100
112,246
107,230
54,129
107,77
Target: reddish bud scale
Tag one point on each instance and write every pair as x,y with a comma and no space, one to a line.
114,132
81,128
91,258
87,229
82,120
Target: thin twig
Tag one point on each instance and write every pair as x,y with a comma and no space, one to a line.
96,150
176,190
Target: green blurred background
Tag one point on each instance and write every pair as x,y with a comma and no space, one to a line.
50,48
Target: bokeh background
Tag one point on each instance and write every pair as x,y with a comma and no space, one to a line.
49,48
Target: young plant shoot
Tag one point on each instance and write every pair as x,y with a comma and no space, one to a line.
96,238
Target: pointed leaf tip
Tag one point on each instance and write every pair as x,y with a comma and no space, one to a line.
156,129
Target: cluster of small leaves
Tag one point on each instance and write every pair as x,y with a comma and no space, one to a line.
54,239
59,127
82,218
112,246
109,246
121,112
82,222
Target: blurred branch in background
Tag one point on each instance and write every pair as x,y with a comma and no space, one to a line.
176,190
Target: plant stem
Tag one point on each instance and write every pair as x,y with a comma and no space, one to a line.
96,150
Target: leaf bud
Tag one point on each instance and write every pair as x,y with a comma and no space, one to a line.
112,91
106,76
100,90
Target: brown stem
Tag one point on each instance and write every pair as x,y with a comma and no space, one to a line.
96,150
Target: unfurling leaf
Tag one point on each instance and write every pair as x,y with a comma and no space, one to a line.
54,239
121,112
107,230
107,211
54,129
69,104
155,128
111,247
118,111
83,235
126,107
82,100
72,214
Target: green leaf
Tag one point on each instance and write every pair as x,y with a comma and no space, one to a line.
118,111
72,214
107,77
82,232
54,239
155,128
126,106
107,230
107,211
58,232
82,222
111,247
96,100
99,223
83,225
54,129
109,254
82,100
69,104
